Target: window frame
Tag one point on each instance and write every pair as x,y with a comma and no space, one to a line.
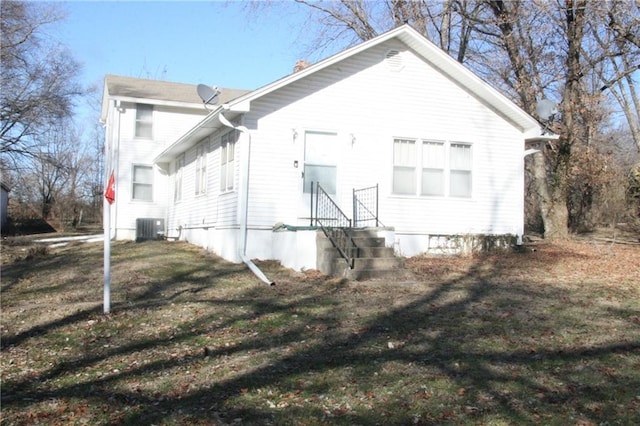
134,183
227,160
468,170
201,169
141,121
178,180
400,165
431,167
422,165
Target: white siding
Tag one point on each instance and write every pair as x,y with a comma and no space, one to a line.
363,100
199,218
366,104
125,150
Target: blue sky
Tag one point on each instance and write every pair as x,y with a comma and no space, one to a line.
212,42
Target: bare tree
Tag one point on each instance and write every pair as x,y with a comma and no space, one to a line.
41,150
618,40
562,50
52,167
93,185
447,23
53,179
37,79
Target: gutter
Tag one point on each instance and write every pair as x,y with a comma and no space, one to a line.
244,203
544,137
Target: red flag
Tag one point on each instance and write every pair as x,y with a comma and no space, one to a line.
110,193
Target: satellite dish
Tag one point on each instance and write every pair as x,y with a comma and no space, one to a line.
546,109
208,94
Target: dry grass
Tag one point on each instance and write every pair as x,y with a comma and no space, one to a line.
544,337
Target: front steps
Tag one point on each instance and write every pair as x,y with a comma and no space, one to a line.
374,260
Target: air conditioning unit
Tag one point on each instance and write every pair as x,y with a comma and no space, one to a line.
149,229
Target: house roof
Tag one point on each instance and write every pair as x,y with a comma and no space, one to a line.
431,53
158,92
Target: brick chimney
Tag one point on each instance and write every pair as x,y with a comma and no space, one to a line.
300,65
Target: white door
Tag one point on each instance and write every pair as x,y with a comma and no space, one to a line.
321,154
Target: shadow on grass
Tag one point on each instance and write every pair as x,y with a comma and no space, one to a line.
467,349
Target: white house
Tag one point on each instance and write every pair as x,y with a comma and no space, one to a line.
141,118
443,148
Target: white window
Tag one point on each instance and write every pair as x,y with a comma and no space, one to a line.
227,156
142,183
445,168
460,166
178,182
201,169
433,165
404,166
144,121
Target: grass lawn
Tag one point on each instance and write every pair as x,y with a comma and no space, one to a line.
545,337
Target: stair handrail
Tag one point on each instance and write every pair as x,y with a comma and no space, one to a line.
365,206
335,224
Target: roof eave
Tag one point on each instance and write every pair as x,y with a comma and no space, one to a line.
205,127
150,101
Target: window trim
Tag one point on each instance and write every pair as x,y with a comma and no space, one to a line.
138,121
201,169
405,166
227,160
178,179
442,169
134,183
470,170
419,168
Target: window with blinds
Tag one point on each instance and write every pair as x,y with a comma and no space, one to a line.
432,168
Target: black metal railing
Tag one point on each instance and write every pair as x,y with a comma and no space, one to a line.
335,225
365,207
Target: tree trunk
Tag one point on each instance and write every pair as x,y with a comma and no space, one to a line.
553,201
556,218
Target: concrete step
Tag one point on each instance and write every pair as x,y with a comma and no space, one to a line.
389,268
379,263
363,232
375,252
382,252
324,242
391,275
368,241
374,261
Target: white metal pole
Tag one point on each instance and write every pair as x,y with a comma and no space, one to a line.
107,256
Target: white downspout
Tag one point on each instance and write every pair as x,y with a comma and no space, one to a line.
244,204
526,153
